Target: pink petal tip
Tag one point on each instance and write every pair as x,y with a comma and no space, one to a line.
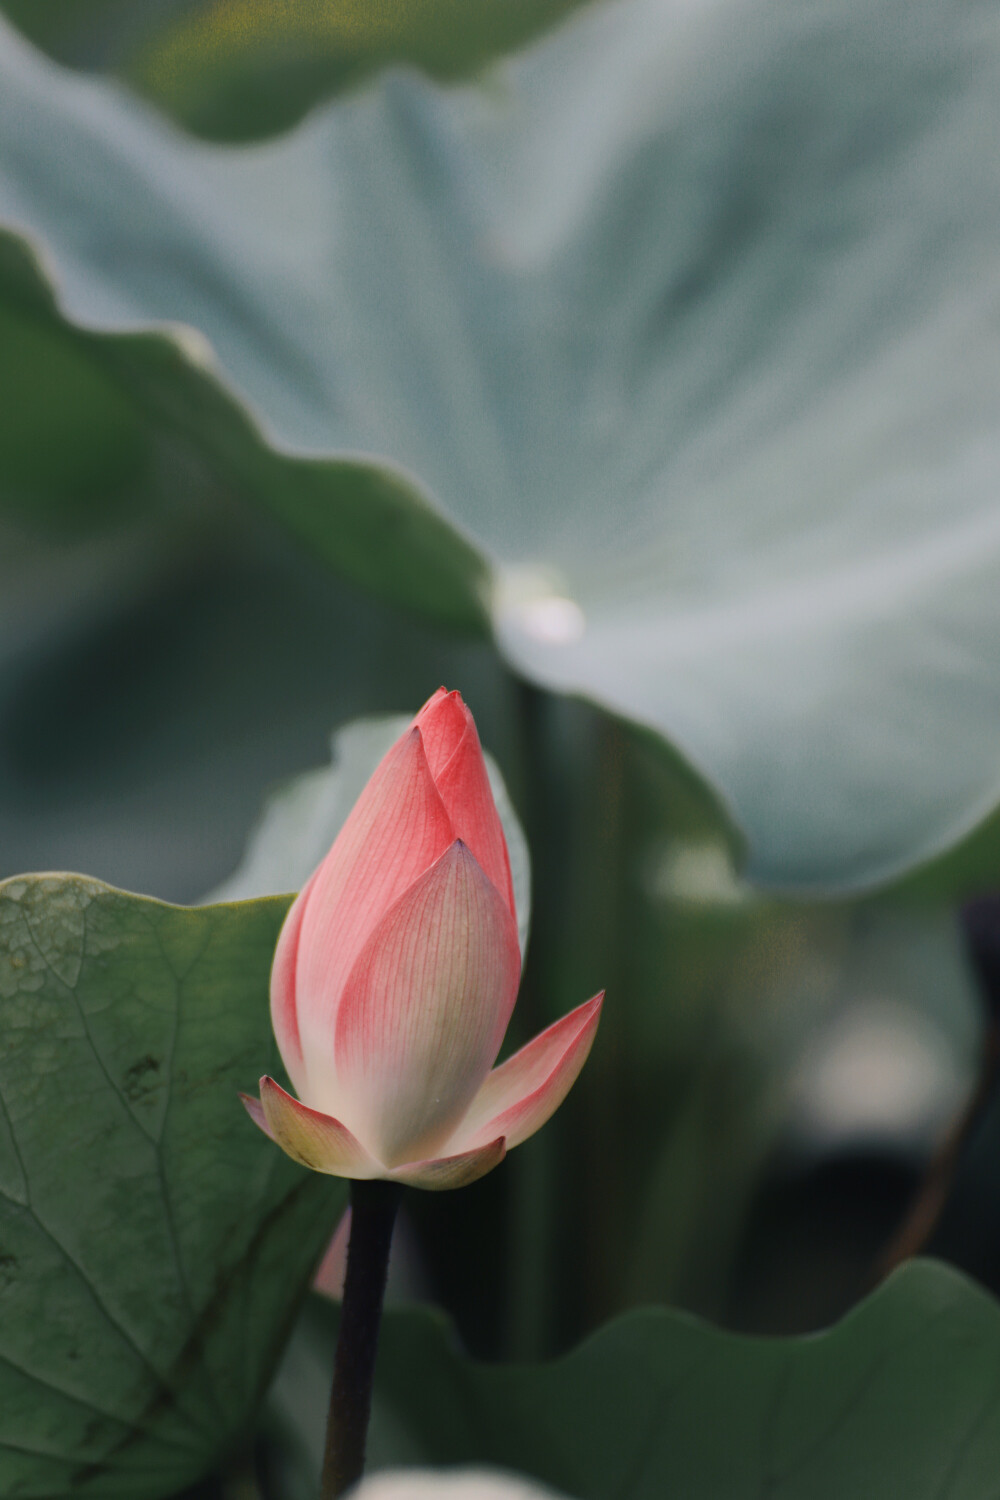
313,1139
452,1171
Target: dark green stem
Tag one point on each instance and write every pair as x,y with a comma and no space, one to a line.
532,1176
572,798
373,1214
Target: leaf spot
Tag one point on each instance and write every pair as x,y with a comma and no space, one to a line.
141,1078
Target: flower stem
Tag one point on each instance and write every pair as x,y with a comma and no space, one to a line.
373,1214
925,1211
532,1176
980,924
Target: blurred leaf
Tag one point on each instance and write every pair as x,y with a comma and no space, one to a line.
375,524
301,821
73,447
236,69
900,1400
813,1028
742,1032
153,1245
972,866
687,327
155,686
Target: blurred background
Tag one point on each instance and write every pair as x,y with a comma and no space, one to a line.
776,1071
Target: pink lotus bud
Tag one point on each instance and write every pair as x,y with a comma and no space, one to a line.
395,976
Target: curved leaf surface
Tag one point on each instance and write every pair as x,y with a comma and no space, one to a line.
73,447
689,329
374,523
236,69
900,1400
152,1247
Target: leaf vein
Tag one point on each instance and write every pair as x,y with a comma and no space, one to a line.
128,1423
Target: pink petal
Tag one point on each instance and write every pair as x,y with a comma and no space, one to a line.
255,1110
396,831
442,724
517,1098
452,1171
317,1141
332,1269
283,1015
464,786
426,1007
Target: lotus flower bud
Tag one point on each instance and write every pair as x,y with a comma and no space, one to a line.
395,976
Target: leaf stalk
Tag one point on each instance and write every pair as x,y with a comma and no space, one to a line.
373,1215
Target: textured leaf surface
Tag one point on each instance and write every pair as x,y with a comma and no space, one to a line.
678,349
234,69
301,821
900,1401
152,1244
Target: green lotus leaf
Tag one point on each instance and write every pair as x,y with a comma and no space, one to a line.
673,353
899,1400
236,69
153,1245
74,451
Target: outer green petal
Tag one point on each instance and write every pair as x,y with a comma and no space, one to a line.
315,1140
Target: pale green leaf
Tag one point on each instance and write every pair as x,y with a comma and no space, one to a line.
675,350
